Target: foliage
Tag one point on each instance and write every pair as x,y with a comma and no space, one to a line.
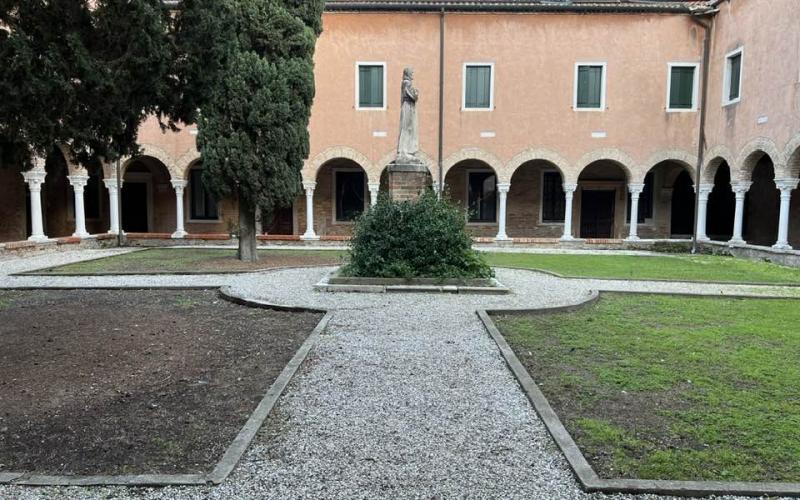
422,238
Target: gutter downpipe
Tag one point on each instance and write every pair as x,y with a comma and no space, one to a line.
441,103
701,142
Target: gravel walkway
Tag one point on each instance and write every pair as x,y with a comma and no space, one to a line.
405,396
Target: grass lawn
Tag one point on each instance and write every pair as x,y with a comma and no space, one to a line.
660,387
703,268
197,260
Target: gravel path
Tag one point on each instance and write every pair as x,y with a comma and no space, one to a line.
404,396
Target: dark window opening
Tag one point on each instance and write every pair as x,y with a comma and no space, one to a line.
349,195
482,197
553,201
203,206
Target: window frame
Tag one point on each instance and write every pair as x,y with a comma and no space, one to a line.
189,208
466,65
726,78
695,84
334,173
603,87
496,197
543,222
358,86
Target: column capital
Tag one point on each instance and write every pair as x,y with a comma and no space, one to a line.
786,185
78,180
34,178
705,189
570,187
372,186
503,187
309,185
635,188
741,187
112,183
178,184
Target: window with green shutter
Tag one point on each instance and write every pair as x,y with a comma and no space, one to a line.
370,86
681,87
734,90
589,91
478,86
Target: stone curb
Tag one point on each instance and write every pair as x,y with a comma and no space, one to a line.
324,285
585,474
40,272
236,449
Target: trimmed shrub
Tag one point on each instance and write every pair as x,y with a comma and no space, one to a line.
425,238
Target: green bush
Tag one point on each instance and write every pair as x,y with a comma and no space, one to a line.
425,238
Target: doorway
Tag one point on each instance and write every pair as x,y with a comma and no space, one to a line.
597,213
683,201
134,207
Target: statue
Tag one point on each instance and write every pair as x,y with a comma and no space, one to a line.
408,142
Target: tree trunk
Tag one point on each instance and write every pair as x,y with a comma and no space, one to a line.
247,233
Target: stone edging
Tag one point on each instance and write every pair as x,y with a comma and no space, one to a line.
376,285
235,450
585,474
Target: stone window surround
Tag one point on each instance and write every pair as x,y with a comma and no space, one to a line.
695,84
477,170
334,171
603,86
726,76
187,202
358,106
464,85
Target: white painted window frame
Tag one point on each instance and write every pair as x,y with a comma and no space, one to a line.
334,172
726,78
496,198
187,201
603,87
695,84
542,222
464,85
358,85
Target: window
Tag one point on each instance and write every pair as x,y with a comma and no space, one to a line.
645,201
590,86
478,86
682,87
202,205
370,85
482,196
732,86
350,196
553,200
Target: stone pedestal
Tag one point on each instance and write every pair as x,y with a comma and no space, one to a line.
407,180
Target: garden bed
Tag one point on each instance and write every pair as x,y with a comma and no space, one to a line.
335,282
133,382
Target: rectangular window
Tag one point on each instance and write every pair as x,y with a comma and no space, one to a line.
370,80
682,87
203,206
349,196
732,88
478,86
552,197
645,201
482,197
590,86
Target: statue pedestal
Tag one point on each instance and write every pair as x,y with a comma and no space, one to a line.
407,179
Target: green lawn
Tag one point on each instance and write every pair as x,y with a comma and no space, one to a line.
197,260
702,268
660,387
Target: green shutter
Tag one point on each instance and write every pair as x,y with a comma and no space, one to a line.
370,86
681,87
590,87
478,87
735,65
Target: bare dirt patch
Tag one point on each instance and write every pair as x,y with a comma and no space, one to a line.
133,381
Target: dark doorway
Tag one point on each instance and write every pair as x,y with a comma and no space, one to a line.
597,214
134,207
721,206
762,206
683,206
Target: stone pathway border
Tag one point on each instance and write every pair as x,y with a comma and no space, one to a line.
585,474
235,450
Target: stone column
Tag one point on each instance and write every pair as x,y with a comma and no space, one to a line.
309,186
79,182
374,188
635,189
113,201
705,190
739,189
569,192
179,185
435,186
35,178
502,190
786,186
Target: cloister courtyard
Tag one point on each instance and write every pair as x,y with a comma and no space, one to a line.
176,367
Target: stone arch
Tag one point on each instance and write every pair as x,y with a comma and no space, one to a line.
752,153
616,156
145,150
714,157
535,154
73,167
792,155
313,165
186,162
686,160
473,154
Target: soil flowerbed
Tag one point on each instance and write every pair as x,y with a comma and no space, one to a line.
133,381
672,388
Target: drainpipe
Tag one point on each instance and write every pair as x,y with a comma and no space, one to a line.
441,101
701,141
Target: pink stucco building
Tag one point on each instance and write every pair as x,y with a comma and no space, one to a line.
550,121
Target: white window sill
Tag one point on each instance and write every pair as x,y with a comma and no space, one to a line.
358,108
592,110
681,110
729,103
470,110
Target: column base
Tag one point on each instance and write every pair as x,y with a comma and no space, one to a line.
83,235
736,242
502,238
703,239
632,239
309,237
781,246
179,235
567,238
38,239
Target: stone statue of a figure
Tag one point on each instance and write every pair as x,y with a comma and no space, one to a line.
408,142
